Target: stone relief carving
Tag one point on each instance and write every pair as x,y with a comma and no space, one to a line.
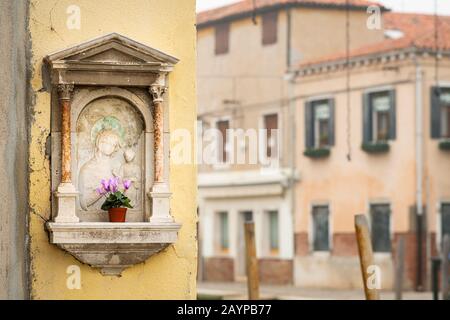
109,143
131,171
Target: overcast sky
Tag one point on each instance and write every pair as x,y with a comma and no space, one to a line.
424,6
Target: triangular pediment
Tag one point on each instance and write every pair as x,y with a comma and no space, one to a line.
112,48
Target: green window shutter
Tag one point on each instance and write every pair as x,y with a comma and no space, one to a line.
321,228
445,219
309,129
332,123
274,227
367,119
392,116
380,227
435,113
224,241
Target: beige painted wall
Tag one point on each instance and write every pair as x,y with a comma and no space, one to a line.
349,186
322,32
253,75
166,25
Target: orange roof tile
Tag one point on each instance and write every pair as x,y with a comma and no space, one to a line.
245,7
418,32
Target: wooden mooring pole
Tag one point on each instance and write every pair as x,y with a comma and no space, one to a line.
251,261
368,268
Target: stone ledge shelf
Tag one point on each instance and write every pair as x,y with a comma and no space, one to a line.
112,247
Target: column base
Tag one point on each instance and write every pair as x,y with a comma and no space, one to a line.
160,199
67,196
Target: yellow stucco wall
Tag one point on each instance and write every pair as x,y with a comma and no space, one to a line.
169,26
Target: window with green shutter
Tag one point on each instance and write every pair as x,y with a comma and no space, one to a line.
319,126
440,112
320,217
274,231
224,230
380,216
379,116
379,120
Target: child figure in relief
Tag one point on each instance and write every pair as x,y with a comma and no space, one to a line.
131,171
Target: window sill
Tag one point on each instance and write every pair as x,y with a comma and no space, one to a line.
317,153
376,147
444,145
325,254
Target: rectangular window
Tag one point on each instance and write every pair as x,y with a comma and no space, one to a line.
223,126
321,239
222,37
379,116
271,126
223,230
319,126
445,219
273,231
269,27
380,227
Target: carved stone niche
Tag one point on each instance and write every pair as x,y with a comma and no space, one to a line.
109,118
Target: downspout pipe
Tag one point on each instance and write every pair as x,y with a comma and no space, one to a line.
290,80
419,173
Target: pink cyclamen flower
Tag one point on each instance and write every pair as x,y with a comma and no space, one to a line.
127,184
105,185
100,191
113,184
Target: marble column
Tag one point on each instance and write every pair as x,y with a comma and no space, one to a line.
160,195
157,92
64,95
66,192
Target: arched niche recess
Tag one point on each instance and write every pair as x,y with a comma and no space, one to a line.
127,119
109,118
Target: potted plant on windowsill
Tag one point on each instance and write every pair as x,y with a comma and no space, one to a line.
116,202
375,147
444,145
321,152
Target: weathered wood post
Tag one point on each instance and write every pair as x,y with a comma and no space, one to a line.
366,257
445,266
399,268
251,261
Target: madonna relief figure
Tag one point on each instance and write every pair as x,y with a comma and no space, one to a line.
97,168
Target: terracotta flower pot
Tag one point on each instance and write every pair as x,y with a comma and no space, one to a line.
117,214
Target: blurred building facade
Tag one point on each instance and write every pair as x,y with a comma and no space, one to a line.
371,138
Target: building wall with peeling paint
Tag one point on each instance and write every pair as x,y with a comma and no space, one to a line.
13,149
169,26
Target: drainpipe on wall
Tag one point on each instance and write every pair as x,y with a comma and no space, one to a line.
290,79
419,174
288,39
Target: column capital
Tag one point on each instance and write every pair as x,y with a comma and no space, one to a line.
157,91
65,91
158,88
